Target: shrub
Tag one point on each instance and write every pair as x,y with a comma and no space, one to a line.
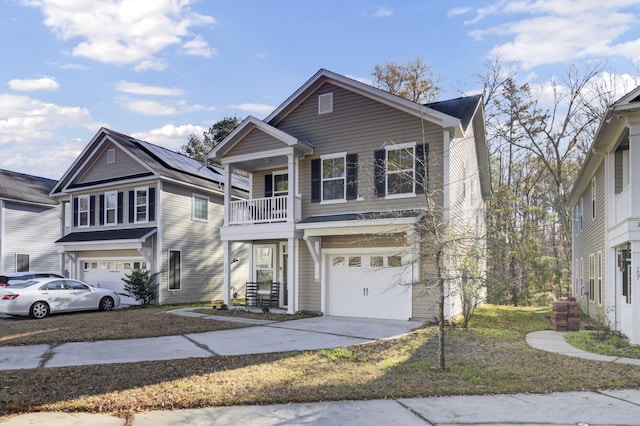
141,285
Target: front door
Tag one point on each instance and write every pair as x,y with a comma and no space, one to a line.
264,268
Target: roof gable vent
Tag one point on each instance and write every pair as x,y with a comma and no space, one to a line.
325,103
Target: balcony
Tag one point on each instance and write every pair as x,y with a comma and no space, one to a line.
263,210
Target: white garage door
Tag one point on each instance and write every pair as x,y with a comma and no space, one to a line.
108,273
374,285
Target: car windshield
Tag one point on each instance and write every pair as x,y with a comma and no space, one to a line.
23,284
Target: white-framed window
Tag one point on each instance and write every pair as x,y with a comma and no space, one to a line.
580,213
334,175
22,263
325,103
592,277
175,270
593,198
111,156
141,207
400,170
111,208
84,207
599,267
280,183
200,208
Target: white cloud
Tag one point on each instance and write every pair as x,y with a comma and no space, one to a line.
148,107
24,119
43,159
143,89
382,12
561,30
44,83
198,47
365,80
129,32
254,108
458,11
170,136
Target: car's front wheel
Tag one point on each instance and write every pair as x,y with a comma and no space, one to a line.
39,310
106,304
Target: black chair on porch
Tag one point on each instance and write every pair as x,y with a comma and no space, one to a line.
251,294
274,295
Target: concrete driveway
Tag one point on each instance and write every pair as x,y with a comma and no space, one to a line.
304,334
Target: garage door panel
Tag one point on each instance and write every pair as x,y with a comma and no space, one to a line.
108,273
372,286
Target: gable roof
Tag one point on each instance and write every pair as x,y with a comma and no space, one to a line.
463,108
251,123
26,188
160,162
605,137
379,95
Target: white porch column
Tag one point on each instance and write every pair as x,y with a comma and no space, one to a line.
2,233
292,276
634,330
292,190
227,196
226,281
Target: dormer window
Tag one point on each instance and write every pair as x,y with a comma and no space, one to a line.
325,103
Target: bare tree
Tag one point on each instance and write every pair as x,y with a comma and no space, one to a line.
414,81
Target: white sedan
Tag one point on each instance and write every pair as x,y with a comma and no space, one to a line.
39,298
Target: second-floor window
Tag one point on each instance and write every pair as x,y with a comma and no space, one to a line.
111,208
333,177
200,208
83,210
593,198
400,170
142,204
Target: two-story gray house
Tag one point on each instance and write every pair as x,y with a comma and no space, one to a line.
606,225
339,175
128,204
29,224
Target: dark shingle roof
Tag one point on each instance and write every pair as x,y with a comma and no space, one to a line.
27,188
112,234
462,108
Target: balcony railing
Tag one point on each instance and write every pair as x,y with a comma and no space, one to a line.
261,210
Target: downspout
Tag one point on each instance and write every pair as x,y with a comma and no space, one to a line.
159,235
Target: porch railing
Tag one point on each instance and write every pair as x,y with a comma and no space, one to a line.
261,210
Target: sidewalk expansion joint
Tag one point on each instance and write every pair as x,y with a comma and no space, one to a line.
47,355
201,345
415,413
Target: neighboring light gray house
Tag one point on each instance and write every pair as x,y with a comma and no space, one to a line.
128,204
336,194
606,225
29,224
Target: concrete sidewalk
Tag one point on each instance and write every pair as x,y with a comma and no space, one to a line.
571,408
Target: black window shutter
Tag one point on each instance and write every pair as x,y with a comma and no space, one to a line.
75,211
379,157
352,176
152,204
101,209
316,180
422,157
120,207
268,185
92,210
131,205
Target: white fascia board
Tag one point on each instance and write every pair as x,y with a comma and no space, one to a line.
257,155
102,245
395,225
274,231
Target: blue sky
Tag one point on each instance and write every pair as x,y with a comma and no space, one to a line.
164,69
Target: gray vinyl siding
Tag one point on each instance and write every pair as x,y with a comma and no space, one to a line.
32,230
309,289
202,256
255,141
425,292
592,237
358,125
100,170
